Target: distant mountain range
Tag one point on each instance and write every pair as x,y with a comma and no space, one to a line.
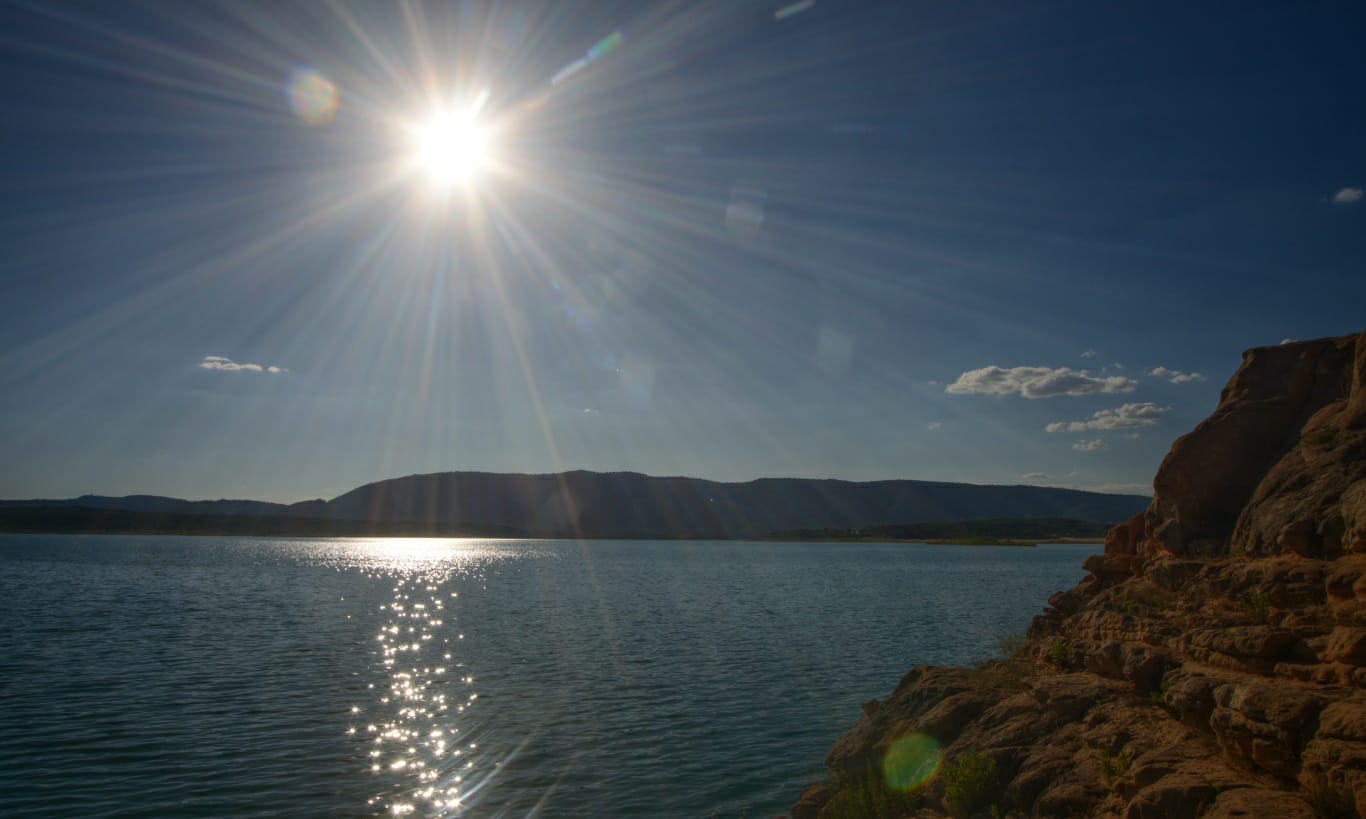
578,504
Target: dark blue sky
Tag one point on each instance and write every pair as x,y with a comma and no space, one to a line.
855,240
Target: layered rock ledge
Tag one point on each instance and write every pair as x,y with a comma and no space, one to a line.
1212,664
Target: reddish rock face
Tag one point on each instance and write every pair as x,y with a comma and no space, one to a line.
1254,472
1213,663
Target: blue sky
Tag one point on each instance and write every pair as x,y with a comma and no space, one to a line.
852,240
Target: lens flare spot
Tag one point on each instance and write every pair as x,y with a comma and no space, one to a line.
794,9
313,97
911,762
605,46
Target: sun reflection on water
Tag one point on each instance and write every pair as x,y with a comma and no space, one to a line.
417,723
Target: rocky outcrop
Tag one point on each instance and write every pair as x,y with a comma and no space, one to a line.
1212,664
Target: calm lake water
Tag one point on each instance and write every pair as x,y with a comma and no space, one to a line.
166,676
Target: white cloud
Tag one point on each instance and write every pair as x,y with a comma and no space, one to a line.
218,362
1348,196
1033,476
1289,340
1129,416
1037,382
1090,446
1175,376
935,425
1089,354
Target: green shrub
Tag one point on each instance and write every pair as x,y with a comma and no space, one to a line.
868,797
1060,653
968,782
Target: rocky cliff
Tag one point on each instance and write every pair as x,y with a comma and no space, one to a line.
1213,663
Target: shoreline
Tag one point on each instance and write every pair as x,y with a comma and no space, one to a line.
963,541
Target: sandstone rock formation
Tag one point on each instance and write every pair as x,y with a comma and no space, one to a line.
1212,664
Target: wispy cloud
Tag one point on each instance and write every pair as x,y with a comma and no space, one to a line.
1033,476
218,362
1129,416
1090,446
1123,488
1289,340
1037,382
1090,354
1175,376
935,425
1348,196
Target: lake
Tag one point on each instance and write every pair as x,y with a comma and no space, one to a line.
216,676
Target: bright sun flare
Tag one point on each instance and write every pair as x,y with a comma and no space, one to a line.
450,148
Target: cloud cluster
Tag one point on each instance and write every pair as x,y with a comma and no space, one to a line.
1033,476
1175,376
1037,382
1129,416
1348,196
218,362
1090,446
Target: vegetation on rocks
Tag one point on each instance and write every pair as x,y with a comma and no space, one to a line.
968,782
1236,603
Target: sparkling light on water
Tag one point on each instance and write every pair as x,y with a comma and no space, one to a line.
417,719
446,677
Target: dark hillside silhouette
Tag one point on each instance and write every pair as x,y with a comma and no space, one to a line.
581,504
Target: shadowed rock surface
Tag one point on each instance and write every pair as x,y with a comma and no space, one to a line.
1212,664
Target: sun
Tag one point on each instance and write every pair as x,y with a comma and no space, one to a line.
450,148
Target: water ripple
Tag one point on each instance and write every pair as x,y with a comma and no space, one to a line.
352,677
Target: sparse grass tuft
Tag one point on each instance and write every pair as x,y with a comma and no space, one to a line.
1147,600
868,797
1113,766
968,782
1257,605
1005,674
1012,645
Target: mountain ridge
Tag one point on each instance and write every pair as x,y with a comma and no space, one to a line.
581,503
